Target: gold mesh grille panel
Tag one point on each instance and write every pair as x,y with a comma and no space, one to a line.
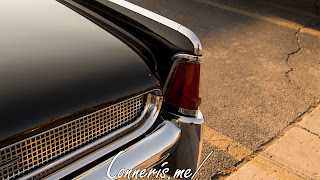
35,151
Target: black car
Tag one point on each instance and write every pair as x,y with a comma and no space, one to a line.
83,82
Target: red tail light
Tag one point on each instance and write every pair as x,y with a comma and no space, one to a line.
184,88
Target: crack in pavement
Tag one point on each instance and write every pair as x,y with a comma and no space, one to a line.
297,50
292,53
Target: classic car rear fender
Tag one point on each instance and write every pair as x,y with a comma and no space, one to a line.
163,37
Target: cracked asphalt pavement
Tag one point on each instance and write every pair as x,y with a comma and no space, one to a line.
260,71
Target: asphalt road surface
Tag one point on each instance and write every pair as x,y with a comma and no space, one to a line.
260,71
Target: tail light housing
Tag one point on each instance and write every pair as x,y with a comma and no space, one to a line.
183,91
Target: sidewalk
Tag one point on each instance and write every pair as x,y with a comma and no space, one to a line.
296,155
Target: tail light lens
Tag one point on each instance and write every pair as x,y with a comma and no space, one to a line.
183,91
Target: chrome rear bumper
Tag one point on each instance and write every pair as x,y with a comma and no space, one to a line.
142,154
177,140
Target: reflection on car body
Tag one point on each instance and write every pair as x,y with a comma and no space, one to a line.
84,80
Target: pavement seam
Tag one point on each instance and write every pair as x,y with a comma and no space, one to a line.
270,154
291,125
264,146
272,167
309,131
262,160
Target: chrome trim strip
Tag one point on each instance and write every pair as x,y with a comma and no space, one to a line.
165,21
188,112
198,119
149,115
147,13
193,38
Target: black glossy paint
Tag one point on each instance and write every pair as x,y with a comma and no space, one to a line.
54,62
163,41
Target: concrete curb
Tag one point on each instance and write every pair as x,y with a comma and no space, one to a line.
296,155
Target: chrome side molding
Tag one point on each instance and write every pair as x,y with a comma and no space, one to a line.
162,20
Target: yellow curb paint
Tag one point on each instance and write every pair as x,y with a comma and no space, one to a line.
226,144
305,13
276,21
274,168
